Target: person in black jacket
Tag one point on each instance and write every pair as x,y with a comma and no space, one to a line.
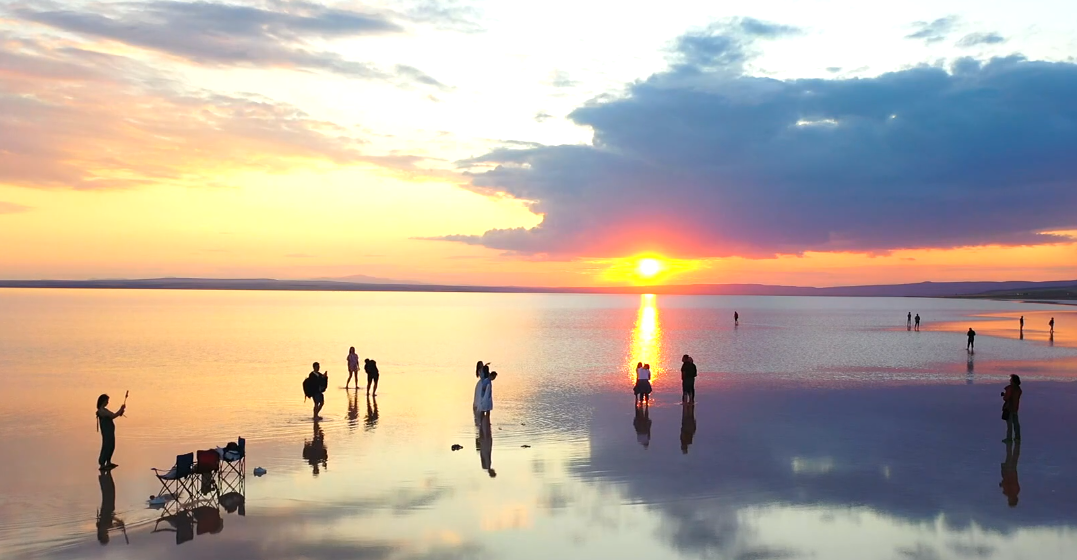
688,379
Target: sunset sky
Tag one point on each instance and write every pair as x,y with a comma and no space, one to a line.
540,143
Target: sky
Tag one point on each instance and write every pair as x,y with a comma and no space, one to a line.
544,143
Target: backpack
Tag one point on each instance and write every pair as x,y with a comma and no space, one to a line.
310,387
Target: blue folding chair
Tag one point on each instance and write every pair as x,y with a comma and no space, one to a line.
178,480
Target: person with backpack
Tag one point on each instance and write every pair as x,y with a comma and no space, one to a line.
372,375
314,387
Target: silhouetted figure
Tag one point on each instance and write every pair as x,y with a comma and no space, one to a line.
486,446
1011,405
314,387
372,375
371,414
643,388
353,409
106,424
106,516
688,379
314,450
917,323
1011,487
486,394
908,321
971,346
353,367
688,426
481,371
736,319
1051,323
642,423
1022,323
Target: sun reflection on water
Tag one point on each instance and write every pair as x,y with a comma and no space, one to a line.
646,338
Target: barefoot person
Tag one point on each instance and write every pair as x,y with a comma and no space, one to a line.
353,367
314,387
688,379
372,376
643,382
106,424
1011,404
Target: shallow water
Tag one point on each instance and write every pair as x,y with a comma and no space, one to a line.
823,429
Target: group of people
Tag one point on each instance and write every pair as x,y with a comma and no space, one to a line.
317,381
643,388
912,324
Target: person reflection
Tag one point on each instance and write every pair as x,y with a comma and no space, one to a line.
106,516
1010,485
1051,339
314,451
353,410
371,420
688,426
642,423
486,446
969,370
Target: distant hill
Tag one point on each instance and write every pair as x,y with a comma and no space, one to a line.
364,279
998,290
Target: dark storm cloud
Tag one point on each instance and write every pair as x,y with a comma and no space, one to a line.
703,160
273,33
975,39
933,31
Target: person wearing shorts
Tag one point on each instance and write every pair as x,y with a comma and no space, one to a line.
372,375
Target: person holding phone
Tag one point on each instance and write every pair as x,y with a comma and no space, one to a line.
106,424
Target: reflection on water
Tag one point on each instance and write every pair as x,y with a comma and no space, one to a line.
688,425
314,451
485,443
353,409
646,339
106,514
1010,485
371,420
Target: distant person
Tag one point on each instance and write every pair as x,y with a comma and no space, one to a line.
971,346
688,379
688,426
908,320
314,387
736,318
917,325
372,375
1052,325
1011,487
1022,322
481,370
486,397
1011,405
642,424
106,424
353,367
643,382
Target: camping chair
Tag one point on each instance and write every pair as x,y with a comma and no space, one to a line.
208,465
180,523
208,520
177,480
236,461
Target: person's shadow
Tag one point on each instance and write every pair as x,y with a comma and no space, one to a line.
688,425
353,410
106,515
1010,485
642,424
371,420
486,446
314,450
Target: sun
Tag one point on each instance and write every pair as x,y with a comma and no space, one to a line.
648,267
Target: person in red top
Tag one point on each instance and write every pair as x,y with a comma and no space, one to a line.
1011,404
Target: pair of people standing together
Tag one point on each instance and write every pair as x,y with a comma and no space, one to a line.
369,366
484,391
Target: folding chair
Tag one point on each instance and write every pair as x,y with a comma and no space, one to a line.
180,523
236,461
208,519
177,480
207,467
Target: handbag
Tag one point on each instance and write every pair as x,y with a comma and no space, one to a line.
1005,414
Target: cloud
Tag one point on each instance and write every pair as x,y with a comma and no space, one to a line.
12,208
933,31
561,79
976,39
452,15
275,34
76,118
698,161
724,45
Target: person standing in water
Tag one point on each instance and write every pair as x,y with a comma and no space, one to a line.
486,399
643,382
106,424
1011,405
971,346
688,379
1052,325
314,386
481,370
908,320
353,367
917,323
372,375
1022,323
736,319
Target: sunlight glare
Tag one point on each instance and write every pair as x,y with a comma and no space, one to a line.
649,267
